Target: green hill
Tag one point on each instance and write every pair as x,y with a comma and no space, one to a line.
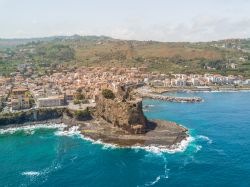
224,57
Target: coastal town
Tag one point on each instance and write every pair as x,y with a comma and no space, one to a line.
78,88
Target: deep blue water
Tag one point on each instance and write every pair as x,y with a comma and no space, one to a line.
218,156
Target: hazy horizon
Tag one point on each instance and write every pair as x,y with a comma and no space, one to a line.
55,36
167,21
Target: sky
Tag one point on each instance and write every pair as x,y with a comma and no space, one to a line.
161,20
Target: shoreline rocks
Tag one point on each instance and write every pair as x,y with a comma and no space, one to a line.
157,132
118,120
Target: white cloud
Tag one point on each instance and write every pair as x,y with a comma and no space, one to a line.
199,29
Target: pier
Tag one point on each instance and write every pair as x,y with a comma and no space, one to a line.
172,99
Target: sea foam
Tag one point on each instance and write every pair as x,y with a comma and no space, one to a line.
29,129
205,138
74,131
158,149
31,173
158,178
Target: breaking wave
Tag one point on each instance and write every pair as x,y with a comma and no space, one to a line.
74,131
30,129
158,149
179,147
31,173
198,148
205,138
158,178
44,172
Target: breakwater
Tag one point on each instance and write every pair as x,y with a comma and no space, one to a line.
172,99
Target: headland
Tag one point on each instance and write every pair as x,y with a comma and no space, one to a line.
116,119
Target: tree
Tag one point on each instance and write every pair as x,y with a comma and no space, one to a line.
80,96
81,114
76,102
108,94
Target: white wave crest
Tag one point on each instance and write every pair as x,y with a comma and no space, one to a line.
158,178
149,106
72,131
42,173
29,129
153,182
198,148
205,138
100,142
31,173
157,149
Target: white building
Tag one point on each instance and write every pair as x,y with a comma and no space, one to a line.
178,82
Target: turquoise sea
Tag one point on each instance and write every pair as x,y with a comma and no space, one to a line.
219,154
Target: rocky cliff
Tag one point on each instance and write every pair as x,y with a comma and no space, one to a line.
123,111
44,114
30,116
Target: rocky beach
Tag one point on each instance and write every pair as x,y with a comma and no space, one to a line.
159,133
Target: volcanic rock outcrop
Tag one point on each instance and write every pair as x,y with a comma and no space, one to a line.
123,111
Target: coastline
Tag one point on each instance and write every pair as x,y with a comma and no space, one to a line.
118,121
75,130
167,137
164,134
160,136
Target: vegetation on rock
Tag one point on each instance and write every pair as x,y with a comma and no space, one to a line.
108,94
81,114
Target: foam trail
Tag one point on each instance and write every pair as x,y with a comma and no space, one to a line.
31,173
205,138
29,129
157,149
43,173
72,131
158,178
198,148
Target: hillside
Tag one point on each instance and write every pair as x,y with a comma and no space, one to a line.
224,57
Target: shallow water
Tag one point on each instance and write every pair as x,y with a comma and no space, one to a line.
218,155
